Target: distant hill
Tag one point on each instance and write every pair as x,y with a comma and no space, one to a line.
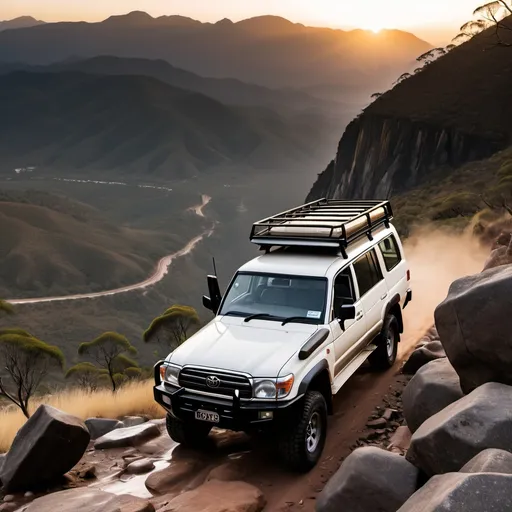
456,110
266,50
21,22
226,90
139,125
52,245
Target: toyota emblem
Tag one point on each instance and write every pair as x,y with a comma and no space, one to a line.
212,381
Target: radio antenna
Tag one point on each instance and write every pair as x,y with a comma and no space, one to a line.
214,267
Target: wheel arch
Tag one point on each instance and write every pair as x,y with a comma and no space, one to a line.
393,308
319,379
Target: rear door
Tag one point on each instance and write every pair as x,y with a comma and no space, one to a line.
373,289
394,266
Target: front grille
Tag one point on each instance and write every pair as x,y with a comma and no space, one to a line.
195,379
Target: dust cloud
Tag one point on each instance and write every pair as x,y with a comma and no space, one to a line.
436,259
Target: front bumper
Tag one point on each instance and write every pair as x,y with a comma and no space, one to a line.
234,414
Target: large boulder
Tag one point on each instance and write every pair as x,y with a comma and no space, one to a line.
89,500
500,256
435,386
430,351
369,479
490,461
475,326
459,492
44,449
218,496
131,436
453,436
100,426
165,480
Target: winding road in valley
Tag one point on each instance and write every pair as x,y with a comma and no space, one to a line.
159,273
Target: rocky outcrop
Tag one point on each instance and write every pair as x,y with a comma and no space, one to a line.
89,500
460,492
475,326
100,426
423,355
165,480
453,436
381,156
370,479
130,436
434,387
45,448
490,461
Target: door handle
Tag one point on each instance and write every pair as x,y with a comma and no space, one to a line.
359,316
384,296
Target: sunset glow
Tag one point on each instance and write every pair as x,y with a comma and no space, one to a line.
429,20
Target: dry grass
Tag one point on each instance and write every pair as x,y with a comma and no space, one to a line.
132,399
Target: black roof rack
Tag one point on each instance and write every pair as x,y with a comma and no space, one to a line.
323,223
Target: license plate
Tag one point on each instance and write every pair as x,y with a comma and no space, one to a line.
212,417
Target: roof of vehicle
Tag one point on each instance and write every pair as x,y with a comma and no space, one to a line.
313,262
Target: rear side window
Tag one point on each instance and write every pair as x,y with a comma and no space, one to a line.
391,252
368,272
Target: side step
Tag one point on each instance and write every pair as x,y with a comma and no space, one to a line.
352,368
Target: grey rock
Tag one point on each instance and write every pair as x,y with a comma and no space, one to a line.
378,423
500,256
8,498
168,479
100,426
490,461
475,325
370,479
421,356
435,386
89,500
44,449
453,436
130,436
133,421
460,492
139,467
2,460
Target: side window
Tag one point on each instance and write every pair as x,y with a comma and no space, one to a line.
344,293
242,286
390,252
368,272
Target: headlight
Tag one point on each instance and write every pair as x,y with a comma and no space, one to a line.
265,389
272,389
170,374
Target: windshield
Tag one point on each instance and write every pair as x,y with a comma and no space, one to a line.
276,297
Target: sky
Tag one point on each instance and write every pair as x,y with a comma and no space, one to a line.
437,21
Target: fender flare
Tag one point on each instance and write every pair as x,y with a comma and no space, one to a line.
391,304
316,370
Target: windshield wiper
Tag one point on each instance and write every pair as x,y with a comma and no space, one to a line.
298,319
262,316
235,313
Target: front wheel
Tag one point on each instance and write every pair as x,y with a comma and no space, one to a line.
303,439
191,433
384,356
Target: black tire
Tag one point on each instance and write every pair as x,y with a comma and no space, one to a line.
192,434
384,356
297,434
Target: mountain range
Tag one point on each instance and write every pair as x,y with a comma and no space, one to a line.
266,50
21,22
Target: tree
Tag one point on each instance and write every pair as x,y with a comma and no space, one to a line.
402,77
26,361
86,375
493,14
6,308
376,95
109,351
173,327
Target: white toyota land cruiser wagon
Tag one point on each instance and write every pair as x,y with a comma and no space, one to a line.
294,324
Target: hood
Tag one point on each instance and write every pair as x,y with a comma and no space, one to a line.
259,347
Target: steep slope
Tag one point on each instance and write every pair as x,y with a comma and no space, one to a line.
51,245
21,22
456,110
267,50
137,125
225,90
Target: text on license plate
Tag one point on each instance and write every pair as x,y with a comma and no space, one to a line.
212,417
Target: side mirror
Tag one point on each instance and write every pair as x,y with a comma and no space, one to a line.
346,313
213,301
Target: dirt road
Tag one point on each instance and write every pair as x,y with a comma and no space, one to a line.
159,273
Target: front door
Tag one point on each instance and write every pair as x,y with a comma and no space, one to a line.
348,333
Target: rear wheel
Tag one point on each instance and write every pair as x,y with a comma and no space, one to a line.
303,439
188,433
384,356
